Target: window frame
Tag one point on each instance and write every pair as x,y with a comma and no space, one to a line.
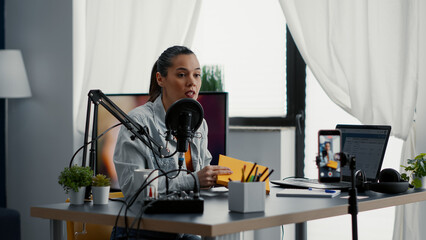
3,200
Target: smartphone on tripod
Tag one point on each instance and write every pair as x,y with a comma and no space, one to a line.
329,147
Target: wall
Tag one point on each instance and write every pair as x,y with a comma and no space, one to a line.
272,147
40,127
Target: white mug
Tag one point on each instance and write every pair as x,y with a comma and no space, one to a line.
151,191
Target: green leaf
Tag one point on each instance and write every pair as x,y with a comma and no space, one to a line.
101,180
75,177
405,177
417,182
211,77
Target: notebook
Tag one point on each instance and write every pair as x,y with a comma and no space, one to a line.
294,192
366,142
237,166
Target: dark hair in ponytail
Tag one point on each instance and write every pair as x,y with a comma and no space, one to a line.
161,66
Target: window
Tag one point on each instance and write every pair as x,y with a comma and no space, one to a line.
248,39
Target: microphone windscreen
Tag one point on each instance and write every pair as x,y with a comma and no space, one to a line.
184,105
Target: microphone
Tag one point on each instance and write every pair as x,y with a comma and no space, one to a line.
183,118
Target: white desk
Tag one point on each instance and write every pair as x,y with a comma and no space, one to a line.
216,220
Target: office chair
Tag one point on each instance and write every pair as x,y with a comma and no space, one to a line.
10,224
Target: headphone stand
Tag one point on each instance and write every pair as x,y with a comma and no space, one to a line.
353,204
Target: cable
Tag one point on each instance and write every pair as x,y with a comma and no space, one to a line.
141,212
158,165
119,212
145,184
134,197
93,140
131,202
156,161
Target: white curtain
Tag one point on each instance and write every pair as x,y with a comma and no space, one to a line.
118,41
408,218
365,55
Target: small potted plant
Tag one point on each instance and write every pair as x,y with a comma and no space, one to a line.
74,180
100,189
211,77
416,169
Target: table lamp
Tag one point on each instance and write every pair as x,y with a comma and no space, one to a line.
13,84
13,77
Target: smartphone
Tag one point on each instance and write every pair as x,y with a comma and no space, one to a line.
329,147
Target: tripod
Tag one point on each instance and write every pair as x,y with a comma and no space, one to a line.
353,203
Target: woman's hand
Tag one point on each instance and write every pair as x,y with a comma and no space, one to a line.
208,175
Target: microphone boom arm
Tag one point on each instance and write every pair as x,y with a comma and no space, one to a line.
98,97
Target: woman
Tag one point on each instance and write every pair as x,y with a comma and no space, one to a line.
175,75
326,154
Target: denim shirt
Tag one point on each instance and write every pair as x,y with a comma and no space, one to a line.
134,154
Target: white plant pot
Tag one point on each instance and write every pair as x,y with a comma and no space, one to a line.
423,180
100,195
77,198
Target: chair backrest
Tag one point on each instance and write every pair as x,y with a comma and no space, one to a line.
10,224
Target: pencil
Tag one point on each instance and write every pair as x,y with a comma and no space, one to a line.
255,174
263,173
248,176
243,170
251,179
258,177
268,175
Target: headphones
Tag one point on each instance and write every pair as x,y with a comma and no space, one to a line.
389,182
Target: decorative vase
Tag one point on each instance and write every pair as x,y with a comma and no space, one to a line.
100,195
77,198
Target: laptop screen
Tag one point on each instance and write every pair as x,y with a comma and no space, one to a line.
368,144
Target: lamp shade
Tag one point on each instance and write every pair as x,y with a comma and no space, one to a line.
13,77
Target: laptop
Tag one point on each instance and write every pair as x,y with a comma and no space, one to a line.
366,142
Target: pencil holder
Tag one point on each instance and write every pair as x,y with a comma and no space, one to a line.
245,197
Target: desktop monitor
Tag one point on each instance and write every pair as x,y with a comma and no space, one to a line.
215,106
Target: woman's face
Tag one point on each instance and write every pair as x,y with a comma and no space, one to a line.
183,79
327,146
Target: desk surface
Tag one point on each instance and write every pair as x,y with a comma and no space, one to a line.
217,220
